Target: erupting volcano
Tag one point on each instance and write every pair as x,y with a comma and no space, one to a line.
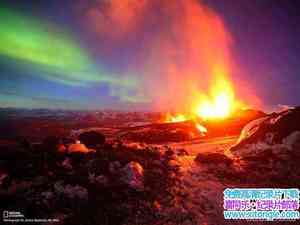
197,71
142,112
219,103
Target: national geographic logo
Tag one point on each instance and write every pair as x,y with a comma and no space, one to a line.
16,216
12,216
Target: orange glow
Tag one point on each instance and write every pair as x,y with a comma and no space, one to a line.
177,118
181,118
201,128
220,103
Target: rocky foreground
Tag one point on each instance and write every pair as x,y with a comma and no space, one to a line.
92,181
110,184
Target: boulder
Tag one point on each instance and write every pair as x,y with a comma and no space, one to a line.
114,167
23,142
61,148
268,150
100,179
213,158
133,175
51,143
271,133
67,164
92,138
71,192
78,147
3,176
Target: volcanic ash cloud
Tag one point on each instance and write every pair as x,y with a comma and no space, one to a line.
177,48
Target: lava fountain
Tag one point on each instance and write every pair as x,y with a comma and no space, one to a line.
220,102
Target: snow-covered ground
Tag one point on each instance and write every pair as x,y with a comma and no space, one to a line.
217,145
203,191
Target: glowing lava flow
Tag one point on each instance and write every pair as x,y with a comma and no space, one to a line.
219,103
201,128
173,119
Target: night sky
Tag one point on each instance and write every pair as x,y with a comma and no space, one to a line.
143,54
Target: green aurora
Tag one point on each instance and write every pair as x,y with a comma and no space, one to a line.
57,57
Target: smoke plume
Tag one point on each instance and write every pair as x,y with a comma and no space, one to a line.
177,48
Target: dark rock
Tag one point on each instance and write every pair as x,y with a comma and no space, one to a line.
92,138
13,151
51,143
24,143
269,149
68,141
273,131
213,158
182,152
117,181
161,133
169,153
133,175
